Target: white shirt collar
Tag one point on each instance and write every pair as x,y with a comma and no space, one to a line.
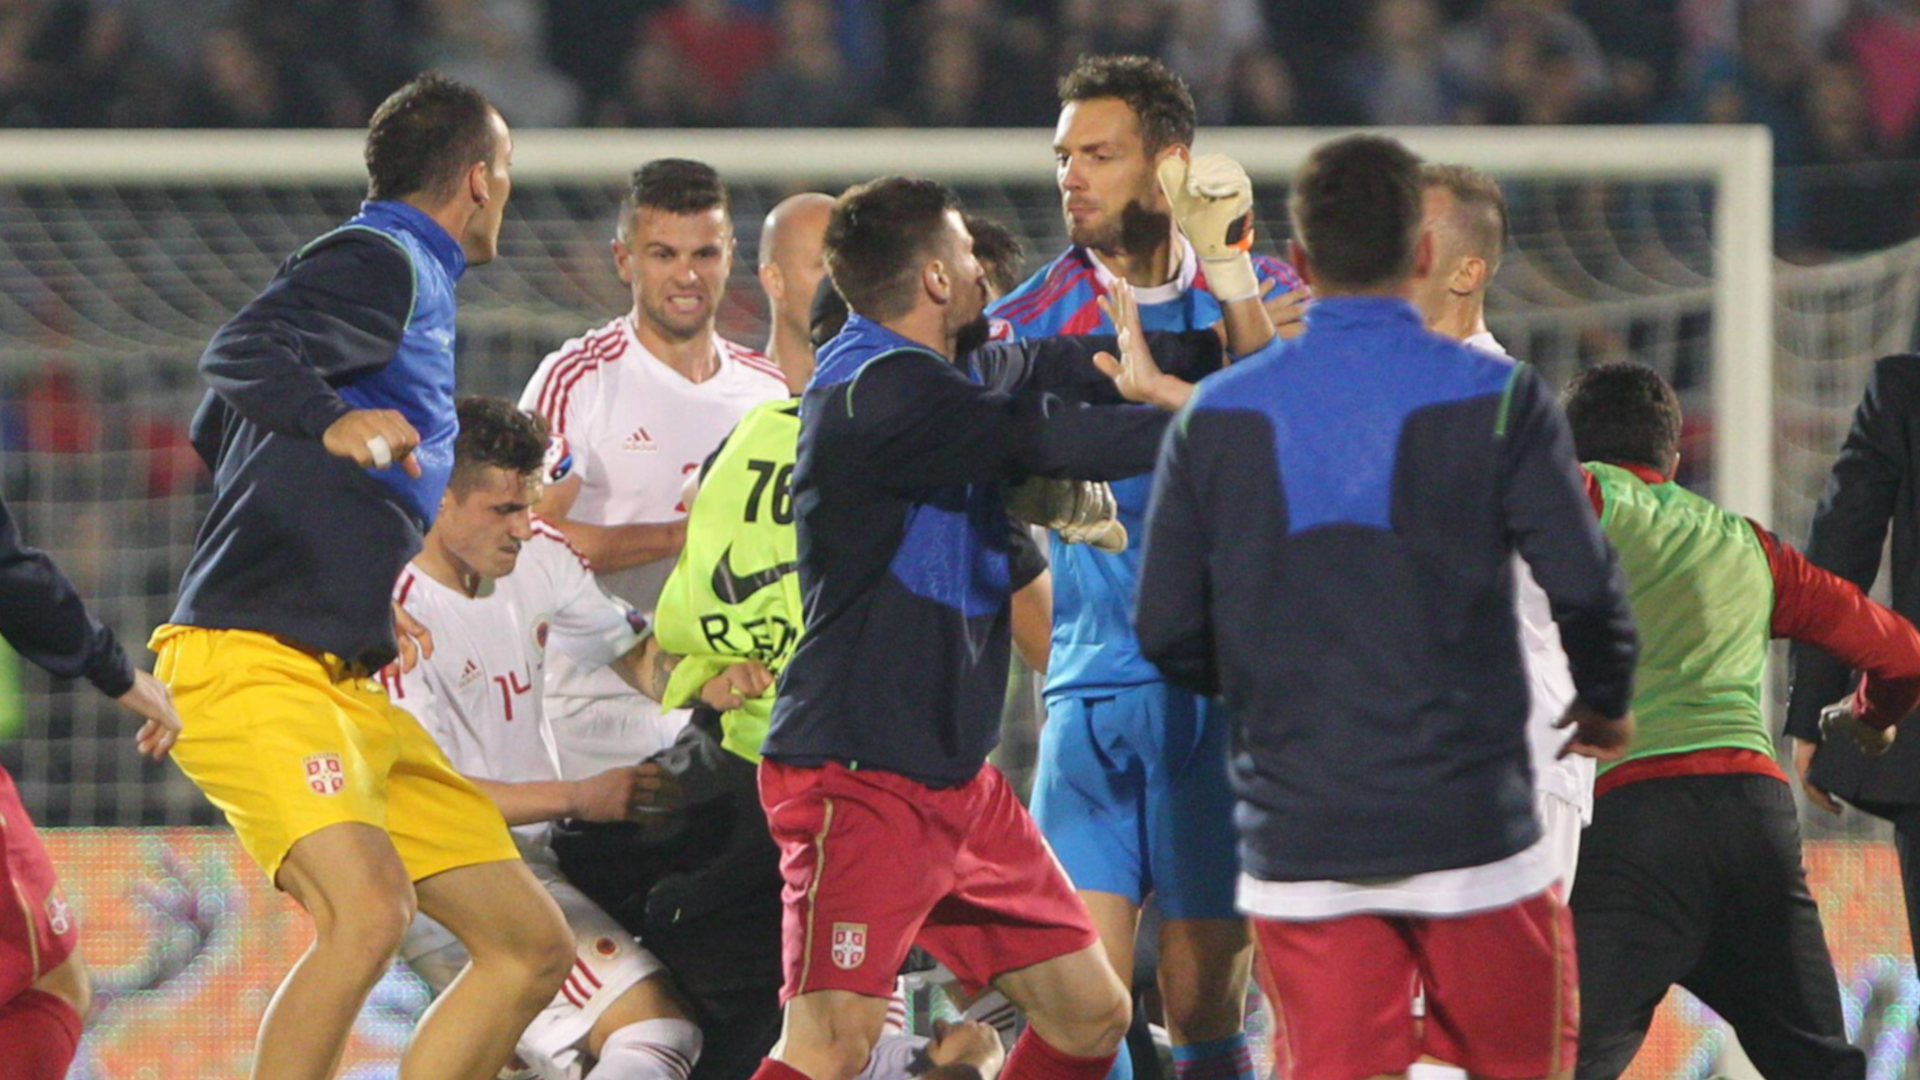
1182,283
1485,342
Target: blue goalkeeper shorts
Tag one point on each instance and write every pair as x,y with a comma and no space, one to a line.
1132,794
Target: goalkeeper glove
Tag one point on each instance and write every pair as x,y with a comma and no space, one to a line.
1081,511
1212,201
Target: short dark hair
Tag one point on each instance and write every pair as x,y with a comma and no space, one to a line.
496,433
877,239
1481,200
1356,208
828,315
673,186
1000,250
1159,98
1623,412
425,136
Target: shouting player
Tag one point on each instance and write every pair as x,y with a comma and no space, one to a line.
891,825
499,587
1330,550
345,364
1132,789
641,402
45,991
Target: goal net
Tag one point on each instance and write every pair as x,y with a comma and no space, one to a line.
121,253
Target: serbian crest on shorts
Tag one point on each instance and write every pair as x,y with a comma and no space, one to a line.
849,945
325,774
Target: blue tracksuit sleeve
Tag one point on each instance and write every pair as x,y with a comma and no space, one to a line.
930,425
1551,523
1173,615
339,310
1064,365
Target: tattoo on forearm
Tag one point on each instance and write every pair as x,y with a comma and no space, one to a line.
659,670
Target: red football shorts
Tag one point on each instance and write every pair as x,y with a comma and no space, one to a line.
37,932
874,862
1502,991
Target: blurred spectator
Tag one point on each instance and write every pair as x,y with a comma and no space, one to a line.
1398,77
1763,81
1115,26
1885,41
1852,202
1525,62
499,47
1224,48
809,85
239,85
713,49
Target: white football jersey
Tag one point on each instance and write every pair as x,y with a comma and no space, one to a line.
636,428
1549,681
480,694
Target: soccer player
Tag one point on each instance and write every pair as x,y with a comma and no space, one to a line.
791,270
891,825
1869,489
1692,872
500,587
1466,213
1131,790
330,429
1330,550
45,991
641,402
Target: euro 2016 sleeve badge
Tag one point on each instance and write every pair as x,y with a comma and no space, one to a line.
849,945
325,774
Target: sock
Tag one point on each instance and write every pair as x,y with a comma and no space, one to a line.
777,1070
649,1050
1034,1059
39,1034
1215,1059
1433,1070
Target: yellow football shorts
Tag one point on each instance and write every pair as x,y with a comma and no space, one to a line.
287,741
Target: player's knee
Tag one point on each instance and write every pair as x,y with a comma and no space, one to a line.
1093,1026
368,933
1202,1009
549,956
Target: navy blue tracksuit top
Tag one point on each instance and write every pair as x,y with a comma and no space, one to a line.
1329,549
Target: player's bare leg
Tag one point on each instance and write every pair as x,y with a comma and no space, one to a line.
1117,920
71,983
351,882
829,1034
520,950
1075,1003
1204,968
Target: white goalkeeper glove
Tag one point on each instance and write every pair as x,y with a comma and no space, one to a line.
1081,511
1212,201
1840,719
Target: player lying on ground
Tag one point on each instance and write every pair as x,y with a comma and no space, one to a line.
345,362
1330,549
1131,788
1692,872
641,401
45,991
498,588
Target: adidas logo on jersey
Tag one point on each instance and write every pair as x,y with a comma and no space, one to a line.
468,674
639,442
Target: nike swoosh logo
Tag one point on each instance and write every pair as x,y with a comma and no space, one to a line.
734,587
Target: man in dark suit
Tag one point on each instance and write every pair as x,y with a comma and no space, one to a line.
1875,480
